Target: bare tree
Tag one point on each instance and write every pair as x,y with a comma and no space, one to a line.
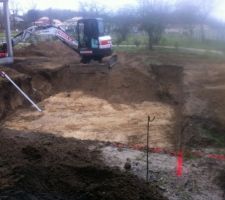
33,4
15,8
31,16
186,15
152,16
91,9
123,21
191,13
1,18
205,8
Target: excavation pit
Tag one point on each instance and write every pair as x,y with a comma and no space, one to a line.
109,106
66,152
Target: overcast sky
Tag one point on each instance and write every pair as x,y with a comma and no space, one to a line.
219,10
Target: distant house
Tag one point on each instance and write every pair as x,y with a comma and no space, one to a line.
18,19
45,21
56,22
72,20
196,31
174,29
71,23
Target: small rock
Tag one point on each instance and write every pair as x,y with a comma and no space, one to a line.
92,148
127,165
68,95
162,188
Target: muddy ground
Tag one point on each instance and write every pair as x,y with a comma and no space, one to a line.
72,149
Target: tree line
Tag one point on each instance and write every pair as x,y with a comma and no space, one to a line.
149,16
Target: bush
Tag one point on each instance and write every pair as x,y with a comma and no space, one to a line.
137,42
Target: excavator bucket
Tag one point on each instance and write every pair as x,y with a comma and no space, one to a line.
110,61
104,66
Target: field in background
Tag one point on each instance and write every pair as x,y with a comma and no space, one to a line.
168,40
176,41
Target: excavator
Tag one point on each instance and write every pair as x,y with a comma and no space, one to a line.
89,41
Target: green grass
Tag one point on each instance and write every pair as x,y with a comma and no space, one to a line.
132,39
129,49
184,41
2,34
218,138
175,41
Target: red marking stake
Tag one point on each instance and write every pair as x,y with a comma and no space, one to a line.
179,164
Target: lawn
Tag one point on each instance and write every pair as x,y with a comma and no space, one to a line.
175,41
2,34
206,55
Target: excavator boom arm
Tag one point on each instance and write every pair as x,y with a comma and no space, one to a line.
49,31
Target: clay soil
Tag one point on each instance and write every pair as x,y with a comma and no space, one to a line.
56,154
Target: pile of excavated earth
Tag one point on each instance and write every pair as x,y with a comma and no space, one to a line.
89,141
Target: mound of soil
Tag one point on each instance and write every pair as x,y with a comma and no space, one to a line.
45,49
42,166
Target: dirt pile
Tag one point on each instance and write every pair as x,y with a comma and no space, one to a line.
42,166
45,49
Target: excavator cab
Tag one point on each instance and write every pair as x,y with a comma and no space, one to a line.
87,33
94,44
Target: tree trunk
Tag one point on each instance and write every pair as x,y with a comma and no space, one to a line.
150,41
202,32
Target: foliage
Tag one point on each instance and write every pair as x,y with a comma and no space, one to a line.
190,13
91,9
152,19
32,15
123,22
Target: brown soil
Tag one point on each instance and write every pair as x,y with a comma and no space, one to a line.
104,106
35,164
40,156
42,166
53,50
